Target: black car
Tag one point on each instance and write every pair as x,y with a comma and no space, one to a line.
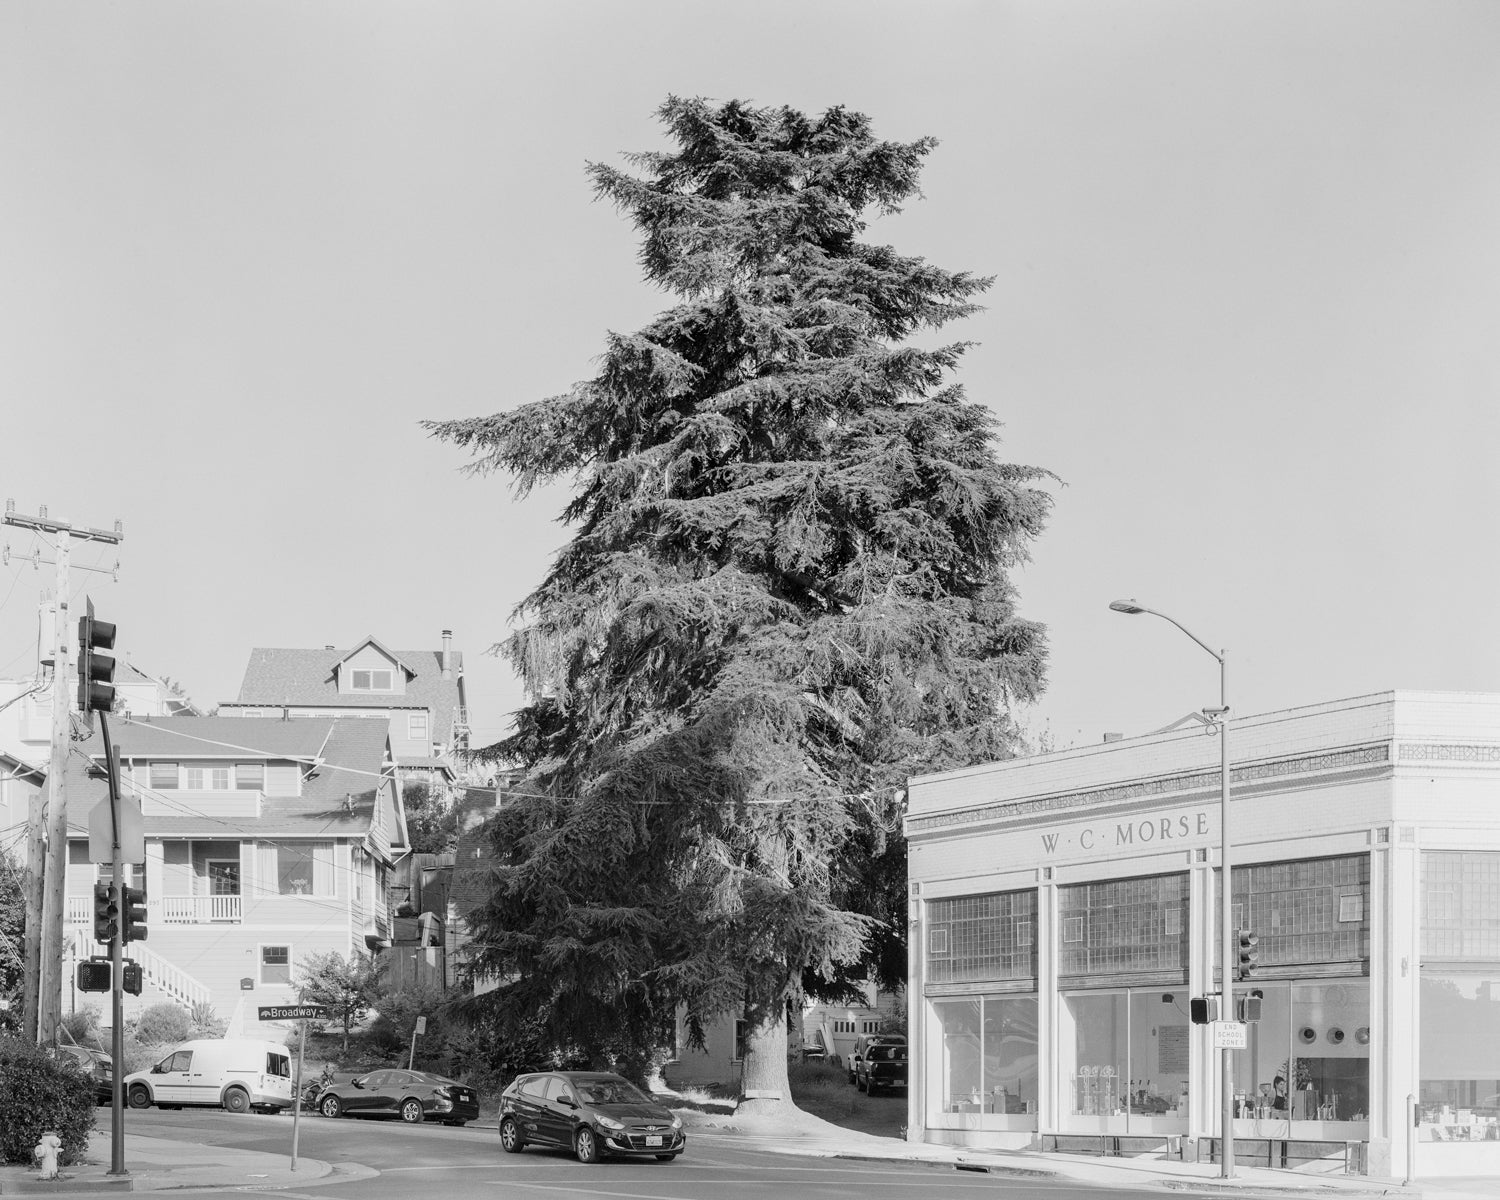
97,1065
879,1060
414,1096
592,1113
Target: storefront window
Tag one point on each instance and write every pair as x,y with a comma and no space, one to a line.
1459,1097
1460,1056
1308,1057
1125,1054
988,1063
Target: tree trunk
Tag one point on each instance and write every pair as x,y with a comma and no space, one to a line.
765,1090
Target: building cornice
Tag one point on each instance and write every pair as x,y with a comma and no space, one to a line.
1165,787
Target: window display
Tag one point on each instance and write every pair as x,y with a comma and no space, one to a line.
988,1064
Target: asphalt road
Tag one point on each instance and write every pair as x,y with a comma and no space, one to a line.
431,1162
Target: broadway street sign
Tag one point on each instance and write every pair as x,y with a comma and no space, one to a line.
294,1012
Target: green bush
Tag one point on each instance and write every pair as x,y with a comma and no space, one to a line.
163,1023
82,1026
38,1094
390,1031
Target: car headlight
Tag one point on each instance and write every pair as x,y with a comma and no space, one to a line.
610,1123
676,1122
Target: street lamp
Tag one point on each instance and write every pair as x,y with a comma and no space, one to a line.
1226,913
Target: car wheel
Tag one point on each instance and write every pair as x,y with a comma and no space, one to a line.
330,1107
667,1157
237,1100
411,1111
586,1145
511,1140
140,1096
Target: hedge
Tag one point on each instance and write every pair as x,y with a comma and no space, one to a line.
38,1094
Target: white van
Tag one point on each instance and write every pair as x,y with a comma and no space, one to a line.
236,1073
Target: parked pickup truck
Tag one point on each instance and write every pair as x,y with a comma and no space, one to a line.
879,1060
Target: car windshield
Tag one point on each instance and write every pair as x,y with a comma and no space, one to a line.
609,1091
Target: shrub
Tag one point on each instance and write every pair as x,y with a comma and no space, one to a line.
391,1030
206,1023
83,1025
163,1022
38,1094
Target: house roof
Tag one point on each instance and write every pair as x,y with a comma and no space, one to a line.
338,799
279,676
222,737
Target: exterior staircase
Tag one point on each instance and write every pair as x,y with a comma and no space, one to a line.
171,981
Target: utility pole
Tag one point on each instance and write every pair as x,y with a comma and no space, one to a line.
48,868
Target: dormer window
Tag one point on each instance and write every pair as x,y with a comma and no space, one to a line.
370,680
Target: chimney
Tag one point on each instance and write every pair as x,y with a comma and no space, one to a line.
447,654
1113,737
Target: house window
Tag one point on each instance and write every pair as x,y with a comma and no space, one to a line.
163,776
250,777
276,964
295,868
203,778
870,1026
416,726
370,681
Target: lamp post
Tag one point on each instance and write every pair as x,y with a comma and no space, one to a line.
1226,911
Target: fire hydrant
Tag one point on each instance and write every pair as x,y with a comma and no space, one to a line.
46,1153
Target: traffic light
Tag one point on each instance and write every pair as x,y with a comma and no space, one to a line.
94,975
1203,1010
132,980
1249,1006
96,671
134,900
106,913
1249,955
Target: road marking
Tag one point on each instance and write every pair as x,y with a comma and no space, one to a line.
584,1186
489,1166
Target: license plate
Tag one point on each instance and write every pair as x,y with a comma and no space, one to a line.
654,1139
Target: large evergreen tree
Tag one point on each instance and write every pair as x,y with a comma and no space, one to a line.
787,589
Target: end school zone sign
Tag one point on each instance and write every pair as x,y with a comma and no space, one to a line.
1181,828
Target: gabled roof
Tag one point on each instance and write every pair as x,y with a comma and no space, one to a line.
372,640
279,676
220,737
338,799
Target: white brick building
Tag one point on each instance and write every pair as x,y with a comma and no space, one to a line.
1063,915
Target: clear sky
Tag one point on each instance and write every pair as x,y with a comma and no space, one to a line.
1247,261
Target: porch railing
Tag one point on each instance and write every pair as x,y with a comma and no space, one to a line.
200,910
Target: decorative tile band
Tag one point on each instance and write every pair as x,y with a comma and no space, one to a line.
1438,752
1166,785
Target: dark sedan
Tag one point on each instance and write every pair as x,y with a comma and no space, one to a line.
97,1065
414,1096
592,1113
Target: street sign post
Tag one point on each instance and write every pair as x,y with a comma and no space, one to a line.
293,1012
420,1027
132,832
302,1014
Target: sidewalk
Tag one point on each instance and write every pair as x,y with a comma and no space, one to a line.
821,1139
157,1164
